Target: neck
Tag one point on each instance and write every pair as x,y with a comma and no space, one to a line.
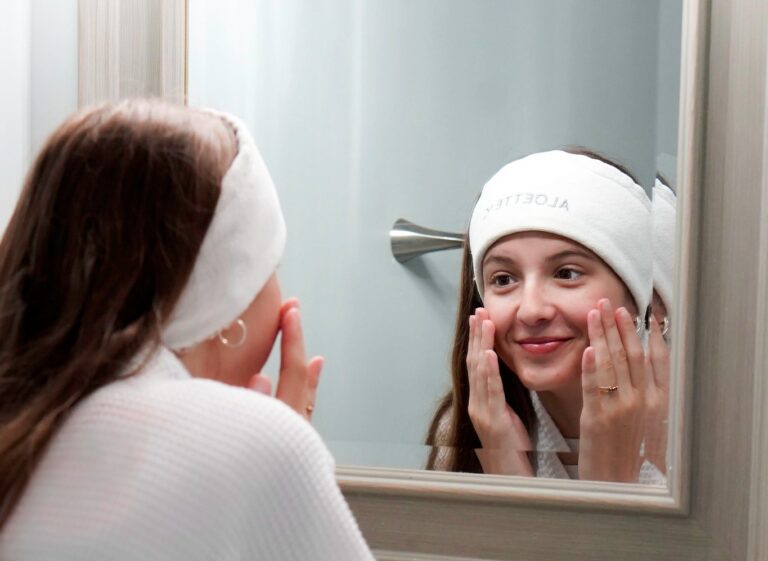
200,360
564,406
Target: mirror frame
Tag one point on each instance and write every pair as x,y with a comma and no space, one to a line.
716,506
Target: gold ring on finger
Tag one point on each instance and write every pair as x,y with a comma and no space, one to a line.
607,389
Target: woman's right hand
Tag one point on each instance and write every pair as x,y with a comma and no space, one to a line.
299,378
657,398
504,438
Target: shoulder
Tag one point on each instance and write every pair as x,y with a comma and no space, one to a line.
208,420
195,465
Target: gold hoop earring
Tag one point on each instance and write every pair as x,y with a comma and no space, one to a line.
227,342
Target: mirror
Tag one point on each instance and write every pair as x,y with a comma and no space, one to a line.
371,111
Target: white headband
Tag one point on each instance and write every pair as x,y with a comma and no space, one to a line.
664,220
240,251
574,196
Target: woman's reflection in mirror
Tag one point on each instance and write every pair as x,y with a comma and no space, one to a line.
664,215
549,371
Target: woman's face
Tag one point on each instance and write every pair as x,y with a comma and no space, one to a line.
538,290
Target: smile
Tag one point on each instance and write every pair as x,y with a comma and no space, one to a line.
542,345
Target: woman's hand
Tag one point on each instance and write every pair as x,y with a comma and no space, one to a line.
614,387
657,398
298,379
503,436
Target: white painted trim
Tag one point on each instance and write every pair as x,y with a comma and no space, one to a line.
497,490
132,48
692,111
99,51
174,69
758,537
384,555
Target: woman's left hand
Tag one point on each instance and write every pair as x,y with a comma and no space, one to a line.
299,378
614,386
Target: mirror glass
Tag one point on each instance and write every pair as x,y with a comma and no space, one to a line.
370,111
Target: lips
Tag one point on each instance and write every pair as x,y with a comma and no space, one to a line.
542,345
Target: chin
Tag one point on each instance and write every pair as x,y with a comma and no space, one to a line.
547,379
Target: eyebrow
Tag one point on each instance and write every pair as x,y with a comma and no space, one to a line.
571,253
503,260
500,259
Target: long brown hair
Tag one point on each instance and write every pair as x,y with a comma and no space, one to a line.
101,243
451,434
460,440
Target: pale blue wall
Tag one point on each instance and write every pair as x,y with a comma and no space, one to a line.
38,65
371,110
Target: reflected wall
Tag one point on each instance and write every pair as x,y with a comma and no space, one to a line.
371,110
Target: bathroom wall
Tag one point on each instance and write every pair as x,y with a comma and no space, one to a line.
38,65
369,111
14,102
668,88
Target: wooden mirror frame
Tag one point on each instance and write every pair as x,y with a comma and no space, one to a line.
717,503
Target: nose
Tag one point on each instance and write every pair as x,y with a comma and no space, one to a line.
535,306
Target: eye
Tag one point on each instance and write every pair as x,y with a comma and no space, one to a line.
502,279
567,273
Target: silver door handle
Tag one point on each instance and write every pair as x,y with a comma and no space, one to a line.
410,240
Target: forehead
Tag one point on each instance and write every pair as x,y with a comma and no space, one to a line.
539,244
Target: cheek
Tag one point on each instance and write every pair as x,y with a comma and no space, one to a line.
615,292
499,310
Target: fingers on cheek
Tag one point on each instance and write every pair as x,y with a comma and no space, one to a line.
627,331
487,334
594,324
588,362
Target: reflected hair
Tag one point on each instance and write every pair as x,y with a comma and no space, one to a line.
99,248
451,435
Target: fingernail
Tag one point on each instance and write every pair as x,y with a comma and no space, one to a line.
623,313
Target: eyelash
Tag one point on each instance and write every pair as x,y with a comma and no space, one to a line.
496,276
572,275
568,270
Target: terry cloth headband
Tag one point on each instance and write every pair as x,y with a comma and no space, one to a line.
664,216
574,196
241,249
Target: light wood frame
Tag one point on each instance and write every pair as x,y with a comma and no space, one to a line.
717,504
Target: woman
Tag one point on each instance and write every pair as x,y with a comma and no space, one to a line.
139,303
548,354
664,216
